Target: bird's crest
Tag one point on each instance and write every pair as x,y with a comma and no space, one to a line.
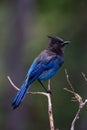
55,39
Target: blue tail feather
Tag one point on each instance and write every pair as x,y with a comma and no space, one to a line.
25,87
20,96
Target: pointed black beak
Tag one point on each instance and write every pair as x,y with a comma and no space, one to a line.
65,43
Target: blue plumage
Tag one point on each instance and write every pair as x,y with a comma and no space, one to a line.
43,68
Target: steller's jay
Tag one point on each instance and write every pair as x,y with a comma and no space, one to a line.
43,67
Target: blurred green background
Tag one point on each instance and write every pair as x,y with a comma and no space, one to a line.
24,26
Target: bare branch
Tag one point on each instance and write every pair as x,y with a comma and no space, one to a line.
50,109
84,76
14,86
50,113
81,105
66,89
12,83
49,85
77,98
67,78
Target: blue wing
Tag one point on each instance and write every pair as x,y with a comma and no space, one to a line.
46,65
51,64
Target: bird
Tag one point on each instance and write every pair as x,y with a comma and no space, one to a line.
43,68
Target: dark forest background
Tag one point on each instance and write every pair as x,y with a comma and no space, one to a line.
24,26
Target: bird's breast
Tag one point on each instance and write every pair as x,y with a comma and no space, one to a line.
51,71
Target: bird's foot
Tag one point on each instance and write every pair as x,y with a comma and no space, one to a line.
49,91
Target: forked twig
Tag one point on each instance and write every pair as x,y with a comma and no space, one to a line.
50,113
67,78
77,98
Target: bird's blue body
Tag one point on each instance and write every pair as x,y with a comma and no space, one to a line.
43,68
46,64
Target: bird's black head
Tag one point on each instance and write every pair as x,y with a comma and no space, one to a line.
57,44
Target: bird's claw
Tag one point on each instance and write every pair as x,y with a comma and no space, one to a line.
49,91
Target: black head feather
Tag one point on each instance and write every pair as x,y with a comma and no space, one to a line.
55,39
57,44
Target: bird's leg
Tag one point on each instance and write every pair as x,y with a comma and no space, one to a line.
48,91
42,85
